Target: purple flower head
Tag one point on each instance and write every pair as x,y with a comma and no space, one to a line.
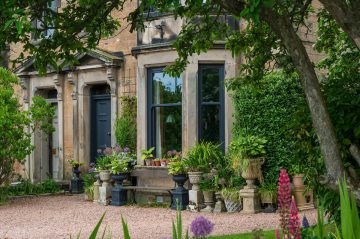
92,164
201,227
117,149
126,150
305,222
173,152
91,170
169,153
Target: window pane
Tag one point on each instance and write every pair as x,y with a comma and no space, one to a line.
166,89
210,84
167,129
210,124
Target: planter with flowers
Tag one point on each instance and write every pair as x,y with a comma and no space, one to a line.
120,167
180,195
77,184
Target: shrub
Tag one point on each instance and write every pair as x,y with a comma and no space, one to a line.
264,109
15,140
125,128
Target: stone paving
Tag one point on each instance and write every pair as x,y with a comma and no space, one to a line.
65,216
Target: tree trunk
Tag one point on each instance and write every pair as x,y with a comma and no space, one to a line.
347,16
319,114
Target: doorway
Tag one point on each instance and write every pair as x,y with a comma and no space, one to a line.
100,109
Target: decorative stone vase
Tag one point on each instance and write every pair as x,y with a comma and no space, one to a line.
77,184
232,206
298,180
208,201
105,176
250,174
118,193
180,195
195,179
219,205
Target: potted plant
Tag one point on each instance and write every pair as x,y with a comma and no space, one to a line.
89,180
103,165
207,187
147,156
247,155
297,170
180,195
199,159
157,162
268,195
75,167
120,169
76,184
232,199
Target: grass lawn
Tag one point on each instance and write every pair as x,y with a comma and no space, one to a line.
249,235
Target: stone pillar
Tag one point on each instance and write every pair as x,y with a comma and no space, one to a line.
141,112
112,81
83,123
59,84
189,106
25,86
72,79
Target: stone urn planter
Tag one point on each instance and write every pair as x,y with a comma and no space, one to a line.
208,201
298,180
268,200
118,193
105,177
180,195
251,173
194,179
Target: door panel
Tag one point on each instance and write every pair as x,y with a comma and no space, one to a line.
100,123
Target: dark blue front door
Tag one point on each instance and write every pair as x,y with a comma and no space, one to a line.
100,124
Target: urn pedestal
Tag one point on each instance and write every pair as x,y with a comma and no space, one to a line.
105,188
118,194
76,184
97,185
251,202
180,195
196,197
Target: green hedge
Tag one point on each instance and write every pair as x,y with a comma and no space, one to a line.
265,109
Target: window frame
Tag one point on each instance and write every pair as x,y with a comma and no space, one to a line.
150,107
220,103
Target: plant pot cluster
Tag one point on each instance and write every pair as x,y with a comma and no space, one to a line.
157,162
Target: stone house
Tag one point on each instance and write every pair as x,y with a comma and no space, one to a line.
172,113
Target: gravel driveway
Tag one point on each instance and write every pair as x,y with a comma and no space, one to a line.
53,217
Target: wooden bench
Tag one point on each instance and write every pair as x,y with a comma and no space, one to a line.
133,189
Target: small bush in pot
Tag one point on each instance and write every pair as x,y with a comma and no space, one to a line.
180,195
247,155
89,180
177,168
268,195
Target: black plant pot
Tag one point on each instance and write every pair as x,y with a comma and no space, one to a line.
180,195
77,184
118,194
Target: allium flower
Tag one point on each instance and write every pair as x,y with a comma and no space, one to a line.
305,222
294,222
201,227
126,150
284,200
108,151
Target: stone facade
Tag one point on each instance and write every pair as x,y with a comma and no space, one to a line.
121,62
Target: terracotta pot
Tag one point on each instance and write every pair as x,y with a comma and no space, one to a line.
194,179
298,180
163,162
152,163
157,163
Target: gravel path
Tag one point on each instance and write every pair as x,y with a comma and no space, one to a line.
53,217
